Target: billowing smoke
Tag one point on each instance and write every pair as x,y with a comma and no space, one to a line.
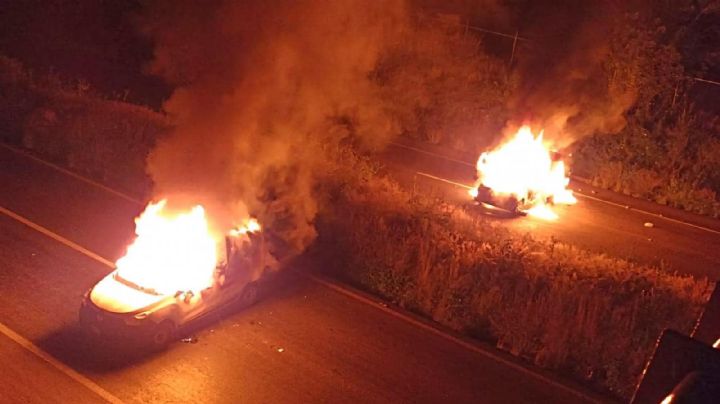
264,89
566,81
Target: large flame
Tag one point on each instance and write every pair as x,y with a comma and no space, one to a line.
172,252
524,168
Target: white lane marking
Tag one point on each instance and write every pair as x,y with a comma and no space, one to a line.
656,215
334,286
579,193
70,173
23,342
56,237
415,149
139,202
68,371
341,289
427,327
457,184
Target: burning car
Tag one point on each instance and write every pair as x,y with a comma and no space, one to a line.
515,204
161,285
522,176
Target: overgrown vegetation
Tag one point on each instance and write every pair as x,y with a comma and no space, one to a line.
589,315
669,151
441,88
562,308
69,124
445,88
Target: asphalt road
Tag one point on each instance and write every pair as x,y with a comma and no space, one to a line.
305,342
689,245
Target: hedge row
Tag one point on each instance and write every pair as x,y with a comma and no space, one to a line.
105,139
589,315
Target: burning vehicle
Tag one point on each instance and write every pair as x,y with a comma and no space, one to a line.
523,176
175,272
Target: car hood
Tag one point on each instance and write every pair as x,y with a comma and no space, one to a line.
114,296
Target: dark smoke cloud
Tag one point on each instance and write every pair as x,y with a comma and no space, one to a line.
564,82
263,90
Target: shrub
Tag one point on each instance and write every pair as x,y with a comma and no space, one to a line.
105,139
563,308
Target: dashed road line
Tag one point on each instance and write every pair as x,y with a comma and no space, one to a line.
70,173
68,371
25,343
326,283
457,184
656,215
578,193
415,149
56,237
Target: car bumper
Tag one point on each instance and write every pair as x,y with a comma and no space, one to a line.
111,327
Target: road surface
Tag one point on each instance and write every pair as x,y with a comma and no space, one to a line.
305,342
690,245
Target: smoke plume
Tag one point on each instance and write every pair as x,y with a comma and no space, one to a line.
565,84
263,90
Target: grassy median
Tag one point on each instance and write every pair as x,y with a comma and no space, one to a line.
582,313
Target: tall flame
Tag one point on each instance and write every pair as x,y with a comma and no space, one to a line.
172,252
524,168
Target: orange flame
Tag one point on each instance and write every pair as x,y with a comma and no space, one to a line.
524,168
250,226
171,252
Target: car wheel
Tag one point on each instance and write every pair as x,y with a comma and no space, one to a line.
162,335
249,295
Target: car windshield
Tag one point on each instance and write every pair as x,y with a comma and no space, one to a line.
135,286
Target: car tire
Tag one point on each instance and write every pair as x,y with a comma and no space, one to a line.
162,335
249,295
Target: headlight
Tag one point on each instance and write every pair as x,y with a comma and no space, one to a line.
142,316
138,319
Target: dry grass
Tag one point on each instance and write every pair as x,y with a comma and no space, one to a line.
562,308
105,139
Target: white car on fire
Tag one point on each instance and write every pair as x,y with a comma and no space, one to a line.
120,307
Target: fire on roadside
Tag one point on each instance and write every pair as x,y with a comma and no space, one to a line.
525,171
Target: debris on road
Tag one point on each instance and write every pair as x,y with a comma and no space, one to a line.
281,350
649,224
